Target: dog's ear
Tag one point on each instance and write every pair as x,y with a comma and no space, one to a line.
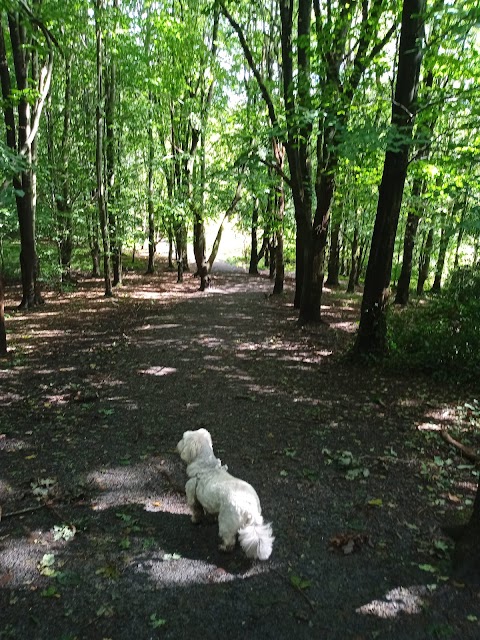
206,437
188,447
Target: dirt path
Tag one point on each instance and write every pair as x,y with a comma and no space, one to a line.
93,402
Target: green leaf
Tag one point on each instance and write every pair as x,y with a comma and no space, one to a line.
300,583
105,611
50,592
156,622
428,568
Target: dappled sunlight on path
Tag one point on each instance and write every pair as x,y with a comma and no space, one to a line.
95,396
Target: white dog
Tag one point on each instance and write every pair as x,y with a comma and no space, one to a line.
212,489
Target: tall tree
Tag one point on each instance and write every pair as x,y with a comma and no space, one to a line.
111,151
32,69
340,72
99,158
372,332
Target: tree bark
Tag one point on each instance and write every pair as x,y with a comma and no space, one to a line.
3,332
424,261
216,244
334,257
150,204
445,235
99,158
279,153
253,267
413,219
20,137
355,261
61,181
111,150
372,332
425,134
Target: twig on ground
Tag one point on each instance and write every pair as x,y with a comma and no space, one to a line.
469,453
20,512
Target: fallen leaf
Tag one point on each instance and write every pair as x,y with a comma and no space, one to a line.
347,543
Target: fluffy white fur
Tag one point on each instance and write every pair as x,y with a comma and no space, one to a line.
213,490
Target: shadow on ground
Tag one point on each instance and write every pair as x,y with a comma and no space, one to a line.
95,538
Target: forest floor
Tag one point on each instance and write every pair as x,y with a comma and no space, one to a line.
95,536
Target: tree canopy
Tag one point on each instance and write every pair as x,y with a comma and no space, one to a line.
130,121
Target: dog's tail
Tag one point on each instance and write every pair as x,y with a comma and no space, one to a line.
256,539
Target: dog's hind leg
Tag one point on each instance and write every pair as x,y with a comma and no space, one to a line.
227,530
193,503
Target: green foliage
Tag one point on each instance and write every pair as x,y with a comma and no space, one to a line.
441,336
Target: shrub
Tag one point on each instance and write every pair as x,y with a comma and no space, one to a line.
441,336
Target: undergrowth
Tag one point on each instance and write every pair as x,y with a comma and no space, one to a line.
441,335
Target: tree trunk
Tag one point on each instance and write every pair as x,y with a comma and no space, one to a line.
111,139
424,261
3,333
403,287
62,186
298,136
25,61
361,260
199,248
461,231
279,153
446,234
372,332
334,257
253,267
170,250
216,244
272,264
150,204
355,261
442,253
99,159
93,235
425,133
317,243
